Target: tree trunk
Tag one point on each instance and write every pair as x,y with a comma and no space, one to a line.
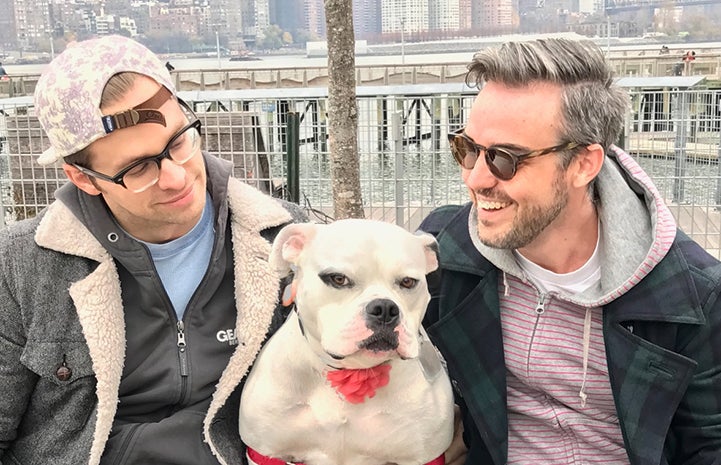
343,110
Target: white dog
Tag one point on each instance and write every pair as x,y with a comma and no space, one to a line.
350,378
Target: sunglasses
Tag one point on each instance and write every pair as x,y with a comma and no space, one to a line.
502,163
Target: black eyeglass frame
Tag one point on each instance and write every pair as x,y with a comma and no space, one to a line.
195,123
516,159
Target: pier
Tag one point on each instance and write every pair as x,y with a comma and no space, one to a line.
635,60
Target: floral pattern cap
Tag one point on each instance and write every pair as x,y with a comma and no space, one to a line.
67,95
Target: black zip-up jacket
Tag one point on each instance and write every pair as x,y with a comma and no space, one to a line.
91,302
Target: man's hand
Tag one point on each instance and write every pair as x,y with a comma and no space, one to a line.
456,452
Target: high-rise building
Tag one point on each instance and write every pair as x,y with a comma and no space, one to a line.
256,19
32,24
443,15
314,17
226,18
287,14
8,34
367,18
179,16
464,15
407,16
493,16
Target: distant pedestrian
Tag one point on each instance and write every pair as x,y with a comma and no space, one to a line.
3,74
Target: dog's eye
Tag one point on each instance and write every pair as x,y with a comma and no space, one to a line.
408,283
336,280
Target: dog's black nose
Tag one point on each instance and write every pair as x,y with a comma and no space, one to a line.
382,312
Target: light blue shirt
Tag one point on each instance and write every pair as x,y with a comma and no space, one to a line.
182,263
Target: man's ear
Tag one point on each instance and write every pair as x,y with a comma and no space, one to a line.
81,180
588,164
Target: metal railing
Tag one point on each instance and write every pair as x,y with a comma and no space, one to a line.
406,169
626,63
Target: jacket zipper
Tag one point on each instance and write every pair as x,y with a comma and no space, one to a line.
183,356
540,309
124,449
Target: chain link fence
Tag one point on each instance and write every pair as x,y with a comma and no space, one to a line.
406,168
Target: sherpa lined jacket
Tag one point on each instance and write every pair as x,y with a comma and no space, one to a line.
60,304
661,328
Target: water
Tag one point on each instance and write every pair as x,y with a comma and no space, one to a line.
278,62
620,47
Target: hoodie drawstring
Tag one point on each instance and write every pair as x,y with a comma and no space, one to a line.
506,291
586,346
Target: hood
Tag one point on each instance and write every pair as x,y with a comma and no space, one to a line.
630,249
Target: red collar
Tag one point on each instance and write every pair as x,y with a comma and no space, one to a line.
261,459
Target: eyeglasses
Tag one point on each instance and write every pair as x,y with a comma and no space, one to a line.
144,173
502,163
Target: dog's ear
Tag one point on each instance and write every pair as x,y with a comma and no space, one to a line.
288,245
431,249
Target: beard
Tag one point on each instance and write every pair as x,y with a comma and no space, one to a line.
530,221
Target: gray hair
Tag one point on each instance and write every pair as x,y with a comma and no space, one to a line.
592,107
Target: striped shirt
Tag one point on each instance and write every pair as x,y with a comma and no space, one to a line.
543,344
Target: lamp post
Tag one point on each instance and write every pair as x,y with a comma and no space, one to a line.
217,47
608,34
403,41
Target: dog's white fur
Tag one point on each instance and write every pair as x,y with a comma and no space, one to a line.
288,408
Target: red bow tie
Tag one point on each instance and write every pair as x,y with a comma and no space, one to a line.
357,384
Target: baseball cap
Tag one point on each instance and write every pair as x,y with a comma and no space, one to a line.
67,95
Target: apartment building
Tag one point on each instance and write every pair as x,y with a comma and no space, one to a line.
255,16
493,16
367,19
314,17
407,16
32,23
8,34
464,15
179,16
443,15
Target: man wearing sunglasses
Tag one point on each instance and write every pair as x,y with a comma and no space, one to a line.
578,324
132,307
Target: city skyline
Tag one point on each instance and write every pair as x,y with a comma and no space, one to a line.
39,25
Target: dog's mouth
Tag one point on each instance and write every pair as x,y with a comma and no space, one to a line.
380,341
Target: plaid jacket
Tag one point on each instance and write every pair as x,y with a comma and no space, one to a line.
663,346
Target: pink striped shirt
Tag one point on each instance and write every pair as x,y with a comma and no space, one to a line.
543,346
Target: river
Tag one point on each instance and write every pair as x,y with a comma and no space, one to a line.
279,61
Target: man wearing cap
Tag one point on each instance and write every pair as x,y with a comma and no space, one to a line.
134,305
